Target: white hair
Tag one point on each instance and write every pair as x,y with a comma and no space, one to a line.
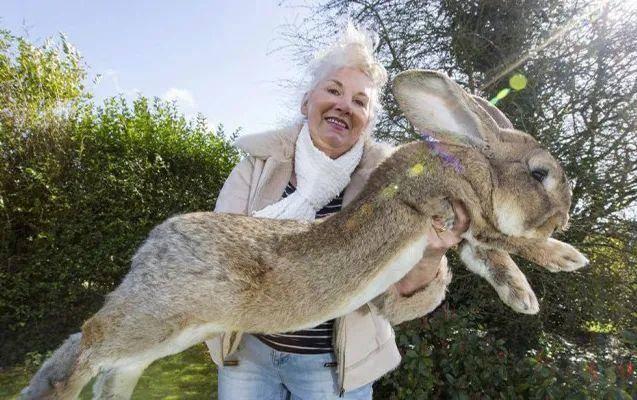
354,48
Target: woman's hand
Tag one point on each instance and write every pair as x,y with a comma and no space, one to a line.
439,240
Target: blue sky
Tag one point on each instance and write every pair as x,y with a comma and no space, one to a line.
214,57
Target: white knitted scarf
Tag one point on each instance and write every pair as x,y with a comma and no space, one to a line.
319,179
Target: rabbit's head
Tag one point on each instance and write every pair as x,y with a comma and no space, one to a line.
527,189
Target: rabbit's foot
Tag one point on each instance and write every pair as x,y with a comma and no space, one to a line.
499,269
561,256
516,292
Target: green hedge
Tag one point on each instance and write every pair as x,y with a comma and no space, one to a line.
79,194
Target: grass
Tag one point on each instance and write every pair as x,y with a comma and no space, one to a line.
190,375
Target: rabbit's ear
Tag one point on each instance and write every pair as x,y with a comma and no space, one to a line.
434,103
494,112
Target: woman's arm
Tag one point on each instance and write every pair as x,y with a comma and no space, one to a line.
234,195
423,288
439,240
397,308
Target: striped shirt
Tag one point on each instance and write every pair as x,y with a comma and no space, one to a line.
315,340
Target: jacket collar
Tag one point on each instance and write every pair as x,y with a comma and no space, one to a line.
280,143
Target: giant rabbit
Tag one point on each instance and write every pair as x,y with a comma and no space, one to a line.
199,274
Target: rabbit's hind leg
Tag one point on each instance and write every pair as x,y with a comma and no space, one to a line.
117,383
118,379
82,373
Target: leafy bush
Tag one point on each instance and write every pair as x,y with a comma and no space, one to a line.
80,188
450,356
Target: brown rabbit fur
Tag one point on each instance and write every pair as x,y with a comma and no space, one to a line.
203,273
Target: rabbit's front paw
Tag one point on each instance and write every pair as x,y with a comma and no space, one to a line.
504,275
563,257
518,294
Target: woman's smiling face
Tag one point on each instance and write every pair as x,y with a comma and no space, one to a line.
338,110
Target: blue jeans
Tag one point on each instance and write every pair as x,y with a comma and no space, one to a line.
267,374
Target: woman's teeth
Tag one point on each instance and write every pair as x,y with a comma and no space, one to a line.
337,121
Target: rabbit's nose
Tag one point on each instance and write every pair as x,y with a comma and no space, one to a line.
556,222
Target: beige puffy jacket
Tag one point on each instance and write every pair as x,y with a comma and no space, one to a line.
364,339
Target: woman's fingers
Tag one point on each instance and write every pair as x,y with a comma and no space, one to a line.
445,238
449,238
438,224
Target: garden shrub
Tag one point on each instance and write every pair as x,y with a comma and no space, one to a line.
451,356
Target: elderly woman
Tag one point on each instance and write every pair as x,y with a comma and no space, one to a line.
309,171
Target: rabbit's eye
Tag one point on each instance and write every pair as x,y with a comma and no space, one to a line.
539,174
